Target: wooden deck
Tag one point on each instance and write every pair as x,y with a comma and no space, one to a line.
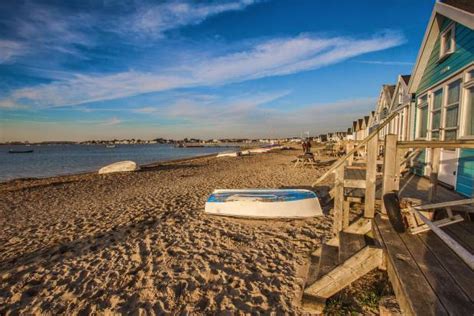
427,276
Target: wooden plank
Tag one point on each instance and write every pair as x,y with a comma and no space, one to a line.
312,275
451,296
370,178
390,167
446,144
435,155
444,204
459,271
343,275
358,184
462,236
350,244
338,200
413,291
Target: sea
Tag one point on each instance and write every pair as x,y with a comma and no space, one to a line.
49,160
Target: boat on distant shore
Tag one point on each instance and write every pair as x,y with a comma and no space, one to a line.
17,151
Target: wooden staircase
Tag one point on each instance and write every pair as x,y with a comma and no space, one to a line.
351,253
338,263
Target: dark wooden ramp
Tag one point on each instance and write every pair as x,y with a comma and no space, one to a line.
427,276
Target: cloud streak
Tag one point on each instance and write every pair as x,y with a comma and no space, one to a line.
268,58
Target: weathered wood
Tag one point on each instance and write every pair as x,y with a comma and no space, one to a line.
361,226
350,244
355,267
464,254
338,199
343,159
441,223
414,293
454,300
329,259
312,275
459,271
463,235
346,214
444,204
446,144
370,178
434,169
349,147
359,184
390,167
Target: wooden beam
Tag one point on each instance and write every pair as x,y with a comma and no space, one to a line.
370,178
352,269
447,144
435,153
443,204
390,167
440,223
342,160
358,184
338,199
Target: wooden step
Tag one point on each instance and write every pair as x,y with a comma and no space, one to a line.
313,268
350,244
364,261
328,260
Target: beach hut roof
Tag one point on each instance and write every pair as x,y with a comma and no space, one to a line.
461,11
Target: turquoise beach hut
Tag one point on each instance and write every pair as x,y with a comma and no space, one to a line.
442,84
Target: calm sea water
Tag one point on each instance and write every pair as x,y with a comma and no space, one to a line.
53,160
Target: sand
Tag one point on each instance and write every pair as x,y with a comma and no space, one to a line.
140,242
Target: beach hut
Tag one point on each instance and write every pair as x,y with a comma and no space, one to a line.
443,84
382,109
400,103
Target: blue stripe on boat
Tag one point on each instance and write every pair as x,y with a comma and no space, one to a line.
265,196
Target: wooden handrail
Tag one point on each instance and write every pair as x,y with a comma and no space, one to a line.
341,160
453,144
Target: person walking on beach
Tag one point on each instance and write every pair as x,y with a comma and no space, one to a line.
303,144
307,149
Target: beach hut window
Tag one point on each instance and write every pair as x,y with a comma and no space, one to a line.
470,112
423,116
447,42
436,114
452,107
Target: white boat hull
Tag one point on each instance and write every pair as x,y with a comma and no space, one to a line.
264,203
121,166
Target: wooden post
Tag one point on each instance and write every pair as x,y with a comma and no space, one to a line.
370,178
349,147
390,167
435,154
338,200
346,214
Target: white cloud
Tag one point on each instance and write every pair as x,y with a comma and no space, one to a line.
9,50
268,58
387,63
112,121
154,20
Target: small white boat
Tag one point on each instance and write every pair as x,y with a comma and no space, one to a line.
263,203
260,150
228,154
121,166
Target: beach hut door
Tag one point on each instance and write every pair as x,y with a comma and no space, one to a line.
448,167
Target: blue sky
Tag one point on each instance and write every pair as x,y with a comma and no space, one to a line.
76,70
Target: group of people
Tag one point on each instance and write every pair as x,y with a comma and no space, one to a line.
306,146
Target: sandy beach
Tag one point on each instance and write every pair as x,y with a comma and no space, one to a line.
140,242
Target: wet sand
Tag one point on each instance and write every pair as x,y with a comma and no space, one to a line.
140,242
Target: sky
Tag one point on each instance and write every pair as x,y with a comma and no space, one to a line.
91,69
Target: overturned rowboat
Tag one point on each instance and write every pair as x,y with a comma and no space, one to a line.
263,203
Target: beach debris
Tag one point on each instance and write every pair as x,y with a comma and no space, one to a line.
121,166
228,154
